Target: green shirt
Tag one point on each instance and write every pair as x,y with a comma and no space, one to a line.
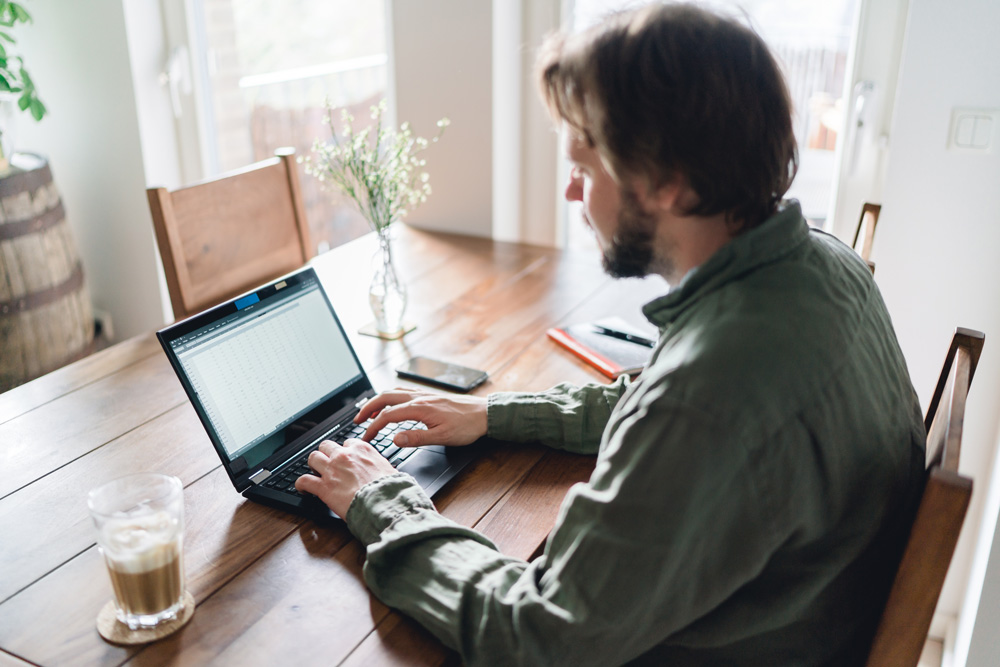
750,496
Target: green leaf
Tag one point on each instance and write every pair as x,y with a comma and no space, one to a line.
24,100
4,86
4,36
37,109
20,12
28,83
3,54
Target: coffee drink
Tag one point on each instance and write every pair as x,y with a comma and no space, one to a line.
140,524
145,564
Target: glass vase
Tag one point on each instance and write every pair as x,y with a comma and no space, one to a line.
387,293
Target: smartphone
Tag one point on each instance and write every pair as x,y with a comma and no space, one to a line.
442,373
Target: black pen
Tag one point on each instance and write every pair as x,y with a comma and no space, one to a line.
621,335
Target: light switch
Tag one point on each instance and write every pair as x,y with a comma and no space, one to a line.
982,132
972,130
964,130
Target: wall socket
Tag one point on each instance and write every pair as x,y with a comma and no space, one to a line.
102,320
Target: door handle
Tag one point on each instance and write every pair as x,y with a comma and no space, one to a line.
861,119
177,75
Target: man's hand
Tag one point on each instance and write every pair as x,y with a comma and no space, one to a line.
341,470
450,420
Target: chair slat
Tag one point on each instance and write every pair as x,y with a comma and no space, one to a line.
865,231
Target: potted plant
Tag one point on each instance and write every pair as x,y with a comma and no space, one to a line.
15,82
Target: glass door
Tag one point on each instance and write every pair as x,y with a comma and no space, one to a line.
260,73
816,45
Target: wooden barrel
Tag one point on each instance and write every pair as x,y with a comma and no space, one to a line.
45,314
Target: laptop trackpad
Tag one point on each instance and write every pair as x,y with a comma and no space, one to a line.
428,466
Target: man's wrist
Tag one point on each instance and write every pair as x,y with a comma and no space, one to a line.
509,416
381,502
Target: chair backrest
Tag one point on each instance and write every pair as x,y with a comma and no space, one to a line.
227,235
902,630
864,235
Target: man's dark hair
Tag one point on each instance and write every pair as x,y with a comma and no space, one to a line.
672,90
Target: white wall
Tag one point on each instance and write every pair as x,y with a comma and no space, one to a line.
507,105
541,194
443,69
77,54
936,254
526,195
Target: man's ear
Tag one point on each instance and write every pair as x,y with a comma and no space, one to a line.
669,196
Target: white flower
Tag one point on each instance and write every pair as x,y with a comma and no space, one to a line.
376,167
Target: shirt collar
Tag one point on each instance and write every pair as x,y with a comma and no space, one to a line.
775,237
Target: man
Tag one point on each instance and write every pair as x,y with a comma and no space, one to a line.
753,486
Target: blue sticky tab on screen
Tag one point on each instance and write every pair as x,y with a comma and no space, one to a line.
246,301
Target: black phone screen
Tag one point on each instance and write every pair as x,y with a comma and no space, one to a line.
442,373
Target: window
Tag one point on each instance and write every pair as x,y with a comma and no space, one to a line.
267,68
812,42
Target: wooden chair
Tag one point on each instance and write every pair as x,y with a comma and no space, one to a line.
865,232
227,235
902,630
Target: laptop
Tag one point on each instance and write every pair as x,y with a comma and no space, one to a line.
271,374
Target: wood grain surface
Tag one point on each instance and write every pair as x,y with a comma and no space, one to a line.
272,587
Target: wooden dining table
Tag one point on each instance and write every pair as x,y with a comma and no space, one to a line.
271,587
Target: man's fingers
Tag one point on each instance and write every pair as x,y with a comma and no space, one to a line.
372,407
414,438
318,460
308,484
327,447
393,415
383,400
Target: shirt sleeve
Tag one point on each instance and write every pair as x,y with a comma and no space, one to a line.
638,553
567,417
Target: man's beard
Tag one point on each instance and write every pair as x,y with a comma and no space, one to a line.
630,251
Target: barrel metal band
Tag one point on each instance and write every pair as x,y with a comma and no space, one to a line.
19,181
45,296
39,223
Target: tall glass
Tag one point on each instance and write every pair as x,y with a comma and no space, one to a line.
140,529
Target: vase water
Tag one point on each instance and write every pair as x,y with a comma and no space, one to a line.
387,293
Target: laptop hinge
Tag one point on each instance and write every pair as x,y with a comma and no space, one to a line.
260,476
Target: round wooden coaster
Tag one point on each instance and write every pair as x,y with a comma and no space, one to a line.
116,632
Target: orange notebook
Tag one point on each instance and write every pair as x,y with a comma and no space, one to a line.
612,356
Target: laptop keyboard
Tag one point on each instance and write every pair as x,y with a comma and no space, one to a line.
284,480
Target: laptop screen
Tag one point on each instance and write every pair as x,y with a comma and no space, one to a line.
265,369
